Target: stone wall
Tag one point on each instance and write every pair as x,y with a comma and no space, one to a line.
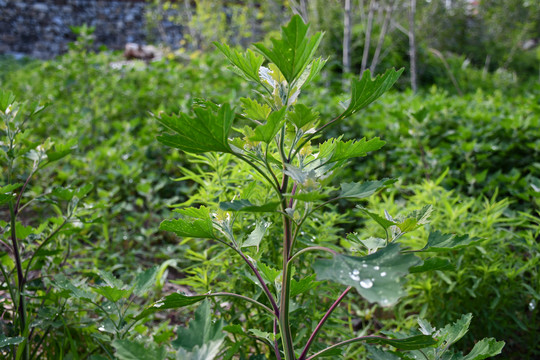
41,28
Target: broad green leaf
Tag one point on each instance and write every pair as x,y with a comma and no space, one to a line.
343,150
371,243
133,350
7,341
268,273
302,116
301,286
247,206
432,264
451,333
439,242
310,196
111,293
377,277
59,151
235,329
379,354
199,227
363,190
484,349
385,223
256,236
255,111
145,280
207,130
208,351
201,330
367,90
7,189
110,279
247,63
6,98
410,343
172,301
6,198
294,50
268,131
63,283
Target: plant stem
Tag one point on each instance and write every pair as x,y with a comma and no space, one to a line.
343,343
263,284
248,299
312,248
21,306
321,323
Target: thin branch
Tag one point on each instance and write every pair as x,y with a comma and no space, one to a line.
321,323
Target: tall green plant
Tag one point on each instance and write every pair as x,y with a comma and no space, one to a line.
274,136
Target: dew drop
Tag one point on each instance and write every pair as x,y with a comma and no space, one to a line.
366,284
364,265
383,274
354,275
101,328
376,267
532,305
159,304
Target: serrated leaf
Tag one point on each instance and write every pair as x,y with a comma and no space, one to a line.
432,264
344,150
255,111
451,333
247,63
484,349
59,151
379,354
363,190
301,286
268,131
63,283
268,273
10,188
294,50
198,227
207,130
111,293
410,343
439,242
310,196
371,243
302,116
201,330
133,350
208,351
7,341
256,236
172,301
145,280
110,279
377,277
246,206
367,90
425,327
385,223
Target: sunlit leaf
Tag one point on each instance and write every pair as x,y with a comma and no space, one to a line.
200,226
294,50
367,90
302,116
254,110
336,150
268,131
207,130
256,236
247,63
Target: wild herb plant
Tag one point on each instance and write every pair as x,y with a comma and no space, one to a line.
277,141
36,220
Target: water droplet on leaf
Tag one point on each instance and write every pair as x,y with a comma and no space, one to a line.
366,284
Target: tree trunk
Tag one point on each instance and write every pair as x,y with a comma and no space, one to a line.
347,38
367,40
412,46
382,35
